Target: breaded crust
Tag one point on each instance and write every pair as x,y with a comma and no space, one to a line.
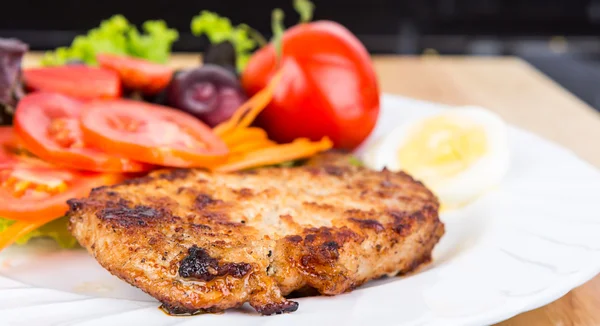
200,241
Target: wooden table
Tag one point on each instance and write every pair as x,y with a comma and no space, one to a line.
522,96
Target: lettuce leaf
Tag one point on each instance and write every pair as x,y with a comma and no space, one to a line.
117,36
219,29
56,230
155,45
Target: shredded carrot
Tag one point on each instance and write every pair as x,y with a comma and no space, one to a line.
262,102
239,136
225,127
248,111
299,148
251,146
17,230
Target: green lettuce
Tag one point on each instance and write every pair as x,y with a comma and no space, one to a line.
117,35
219,29
56,230
155,44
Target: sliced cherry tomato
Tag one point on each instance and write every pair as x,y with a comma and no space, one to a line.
138,74
79,81
151,133
48,125
32,190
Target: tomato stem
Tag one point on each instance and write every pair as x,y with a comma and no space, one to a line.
305,8
278,28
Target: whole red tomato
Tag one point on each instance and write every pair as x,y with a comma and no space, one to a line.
328,86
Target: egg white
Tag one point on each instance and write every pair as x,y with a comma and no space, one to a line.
486,172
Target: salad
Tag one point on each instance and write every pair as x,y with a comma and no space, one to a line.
106,109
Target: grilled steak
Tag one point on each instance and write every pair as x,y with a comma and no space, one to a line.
205,242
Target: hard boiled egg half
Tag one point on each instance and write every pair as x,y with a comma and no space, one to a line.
459,154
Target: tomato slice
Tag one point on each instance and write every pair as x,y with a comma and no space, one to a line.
9,146
48,125
151,133
138,74
33,190
29,192
80,81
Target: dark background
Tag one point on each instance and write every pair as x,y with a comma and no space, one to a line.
560,37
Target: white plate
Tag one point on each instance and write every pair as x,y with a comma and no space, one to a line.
518,247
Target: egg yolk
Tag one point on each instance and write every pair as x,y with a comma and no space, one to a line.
442,147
